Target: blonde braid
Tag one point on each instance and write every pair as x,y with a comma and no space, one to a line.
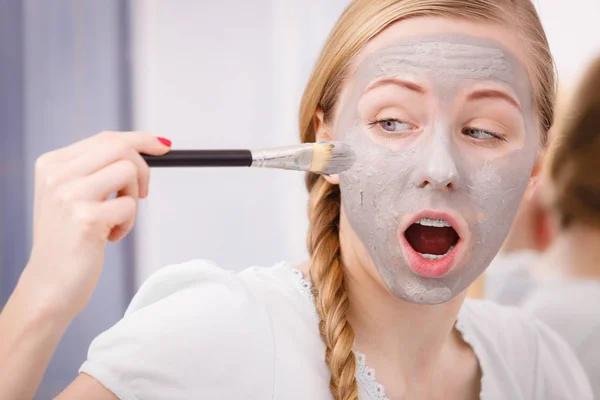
327,275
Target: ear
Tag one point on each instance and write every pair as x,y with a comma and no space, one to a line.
535,173
323,133
531,185
533,181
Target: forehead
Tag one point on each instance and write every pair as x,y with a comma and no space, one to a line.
501,42
502,35
448,55
447,59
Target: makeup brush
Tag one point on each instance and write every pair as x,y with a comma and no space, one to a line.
322,158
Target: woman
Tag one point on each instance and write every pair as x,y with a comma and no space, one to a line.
564,282
446,104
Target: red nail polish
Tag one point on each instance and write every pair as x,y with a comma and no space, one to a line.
164,141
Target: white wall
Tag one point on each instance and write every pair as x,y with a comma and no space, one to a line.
230,73
573,29
224,74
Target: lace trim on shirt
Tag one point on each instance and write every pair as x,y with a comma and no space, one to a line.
364,374
304,285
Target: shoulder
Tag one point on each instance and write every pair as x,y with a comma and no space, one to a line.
198,295
193,325
172,279
511,343
193,280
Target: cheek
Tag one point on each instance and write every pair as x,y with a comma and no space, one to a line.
368,190
496,191
498,177
488,183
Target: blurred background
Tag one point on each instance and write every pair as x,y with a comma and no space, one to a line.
204,73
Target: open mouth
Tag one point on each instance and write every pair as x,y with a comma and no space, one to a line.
432,238
432,244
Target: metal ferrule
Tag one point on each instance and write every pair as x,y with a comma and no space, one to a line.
297,158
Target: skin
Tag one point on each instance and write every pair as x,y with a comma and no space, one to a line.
418,352
413,347
439,96
532,227
71,189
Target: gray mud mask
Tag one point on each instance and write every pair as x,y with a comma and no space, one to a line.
433,171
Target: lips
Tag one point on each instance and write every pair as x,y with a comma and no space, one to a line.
432,242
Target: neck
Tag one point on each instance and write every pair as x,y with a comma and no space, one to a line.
573,253
411,339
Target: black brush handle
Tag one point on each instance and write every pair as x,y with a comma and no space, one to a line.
201,158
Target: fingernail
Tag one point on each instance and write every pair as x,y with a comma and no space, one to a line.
164,141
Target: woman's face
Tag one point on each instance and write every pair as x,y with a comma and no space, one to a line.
444,129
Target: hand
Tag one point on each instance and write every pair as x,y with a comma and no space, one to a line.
74,216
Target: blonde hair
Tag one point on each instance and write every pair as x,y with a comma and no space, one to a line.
361,21
575,154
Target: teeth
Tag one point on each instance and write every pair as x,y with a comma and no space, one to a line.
434,257
431,256
438,223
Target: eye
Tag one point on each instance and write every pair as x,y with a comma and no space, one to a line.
483,135
392,125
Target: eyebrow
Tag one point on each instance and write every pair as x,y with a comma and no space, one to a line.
398,82
494,94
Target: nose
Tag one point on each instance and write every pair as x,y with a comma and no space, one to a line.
440,170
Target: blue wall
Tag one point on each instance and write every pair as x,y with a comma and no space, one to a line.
13,246
63,77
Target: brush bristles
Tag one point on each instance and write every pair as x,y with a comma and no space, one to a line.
331,158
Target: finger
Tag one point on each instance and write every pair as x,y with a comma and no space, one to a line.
119,214
121,177
91,143
73,150
143,173
106,148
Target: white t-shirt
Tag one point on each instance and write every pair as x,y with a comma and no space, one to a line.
196,331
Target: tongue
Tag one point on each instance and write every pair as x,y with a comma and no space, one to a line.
430,239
